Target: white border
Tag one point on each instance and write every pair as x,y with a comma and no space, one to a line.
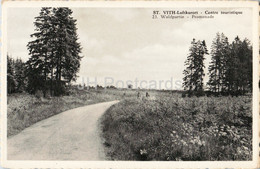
131,164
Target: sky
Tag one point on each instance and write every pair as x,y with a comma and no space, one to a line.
127,44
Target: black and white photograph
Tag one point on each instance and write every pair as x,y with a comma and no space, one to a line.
131,83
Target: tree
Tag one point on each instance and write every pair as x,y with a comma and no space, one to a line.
220,53
227,64
242,52
67,49
230,69
235,66
20,77
194,72
11,82
246,62
55,58
249,63
38,65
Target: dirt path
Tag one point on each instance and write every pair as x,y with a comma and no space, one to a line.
71,135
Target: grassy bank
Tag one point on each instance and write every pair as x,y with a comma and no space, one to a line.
175,128
25,110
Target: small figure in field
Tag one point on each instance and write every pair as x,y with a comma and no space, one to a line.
147,94
138,95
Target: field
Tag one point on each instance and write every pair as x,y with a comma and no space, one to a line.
169,127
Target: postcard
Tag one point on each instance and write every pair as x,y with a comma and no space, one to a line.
130,84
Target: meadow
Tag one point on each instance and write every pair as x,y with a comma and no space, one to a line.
169,127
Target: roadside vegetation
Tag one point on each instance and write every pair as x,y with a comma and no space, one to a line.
24,109
179,129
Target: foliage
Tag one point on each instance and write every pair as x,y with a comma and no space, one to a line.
219,63
16,80
55,58
11,82
194,72
176,129
230,69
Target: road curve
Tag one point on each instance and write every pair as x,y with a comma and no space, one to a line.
71,135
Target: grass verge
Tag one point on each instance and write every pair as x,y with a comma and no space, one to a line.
23,109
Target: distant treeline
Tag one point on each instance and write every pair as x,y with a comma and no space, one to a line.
230,69
16,78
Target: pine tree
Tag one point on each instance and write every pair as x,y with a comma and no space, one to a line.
199,65
55,58
215,65
220,71
246,59
235,66
230,69
194,72
244,70
249,63
188,72
38,65
68,49
227,61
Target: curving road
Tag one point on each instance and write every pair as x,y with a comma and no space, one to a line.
71,135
